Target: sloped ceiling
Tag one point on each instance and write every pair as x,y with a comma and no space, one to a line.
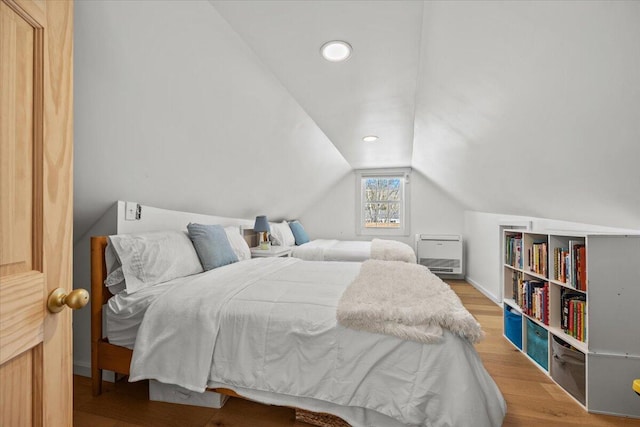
527,108
372,93
173,110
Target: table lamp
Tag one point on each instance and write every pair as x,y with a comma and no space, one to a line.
262,228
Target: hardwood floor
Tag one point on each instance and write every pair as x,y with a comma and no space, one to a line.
532,398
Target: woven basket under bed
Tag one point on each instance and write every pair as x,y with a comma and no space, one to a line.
320,419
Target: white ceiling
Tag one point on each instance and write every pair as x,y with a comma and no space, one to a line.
372,93
527,108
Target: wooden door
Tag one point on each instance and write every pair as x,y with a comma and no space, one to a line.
36,45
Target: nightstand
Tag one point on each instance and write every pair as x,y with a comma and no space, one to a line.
273,251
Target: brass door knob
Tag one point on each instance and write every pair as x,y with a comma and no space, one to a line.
77,298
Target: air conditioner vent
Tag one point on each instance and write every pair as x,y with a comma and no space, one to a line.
436,263
441,270
440,253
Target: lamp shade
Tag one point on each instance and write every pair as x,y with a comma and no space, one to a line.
261,224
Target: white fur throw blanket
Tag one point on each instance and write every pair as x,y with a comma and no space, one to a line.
392,250
406,301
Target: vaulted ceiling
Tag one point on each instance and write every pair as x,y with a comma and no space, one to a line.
528,108
372,93
226,107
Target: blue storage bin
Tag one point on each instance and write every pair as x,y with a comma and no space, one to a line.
513,326
538,344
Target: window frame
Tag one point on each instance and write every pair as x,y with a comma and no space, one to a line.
404,175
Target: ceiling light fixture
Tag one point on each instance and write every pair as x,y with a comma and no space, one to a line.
370,138
336,51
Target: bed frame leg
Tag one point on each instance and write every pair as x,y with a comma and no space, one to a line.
96,382
96,372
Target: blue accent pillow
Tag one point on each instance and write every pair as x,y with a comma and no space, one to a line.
212,245
298,232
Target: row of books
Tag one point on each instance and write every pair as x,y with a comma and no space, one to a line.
537,255
533,297
570,265
573,314
513,250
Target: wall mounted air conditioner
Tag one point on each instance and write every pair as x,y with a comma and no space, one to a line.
441,253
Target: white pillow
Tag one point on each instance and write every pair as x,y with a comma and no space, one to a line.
115,279
281,234
238,244
289,239
151,258
274,234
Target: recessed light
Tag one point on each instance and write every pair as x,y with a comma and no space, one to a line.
370,138
336,51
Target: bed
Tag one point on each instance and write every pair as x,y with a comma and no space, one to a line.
266,330
293,234
333,250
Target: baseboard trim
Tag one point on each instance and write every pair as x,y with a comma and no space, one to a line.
84,370
483,290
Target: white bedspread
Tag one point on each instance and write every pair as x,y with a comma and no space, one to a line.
124,312
333,250
268,327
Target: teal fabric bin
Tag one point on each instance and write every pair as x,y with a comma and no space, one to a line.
538,344
513,326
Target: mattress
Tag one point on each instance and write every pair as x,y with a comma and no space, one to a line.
333,250
267,329
124,312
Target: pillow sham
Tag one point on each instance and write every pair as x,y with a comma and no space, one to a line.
274,234
115,279
212,245
299,234
151,258
237,242
281,234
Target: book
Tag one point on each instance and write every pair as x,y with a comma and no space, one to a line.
513,250
567,307
582,275
572,275
538,258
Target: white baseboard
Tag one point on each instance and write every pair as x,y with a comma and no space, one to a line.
483,290
84,370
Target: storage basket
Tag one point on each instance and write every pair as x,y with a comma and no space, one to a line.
513,326
320,419
538,344
568,368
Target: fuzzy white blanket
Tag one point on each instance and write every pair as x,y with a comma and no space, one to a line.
406,301
392,250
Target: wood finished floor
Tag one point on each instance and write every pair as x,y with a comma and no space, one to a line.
532,398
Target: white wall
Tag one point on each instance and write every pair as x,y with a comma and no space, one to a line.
432,211
532,108
172,109
483,237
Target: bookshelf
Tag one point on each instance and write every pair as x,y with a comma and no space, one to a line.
571,305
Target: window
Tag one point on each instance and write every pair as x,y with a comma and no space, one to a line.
382,202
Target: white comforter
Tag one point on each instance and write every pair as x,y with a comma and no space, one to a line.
267,329
333,250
